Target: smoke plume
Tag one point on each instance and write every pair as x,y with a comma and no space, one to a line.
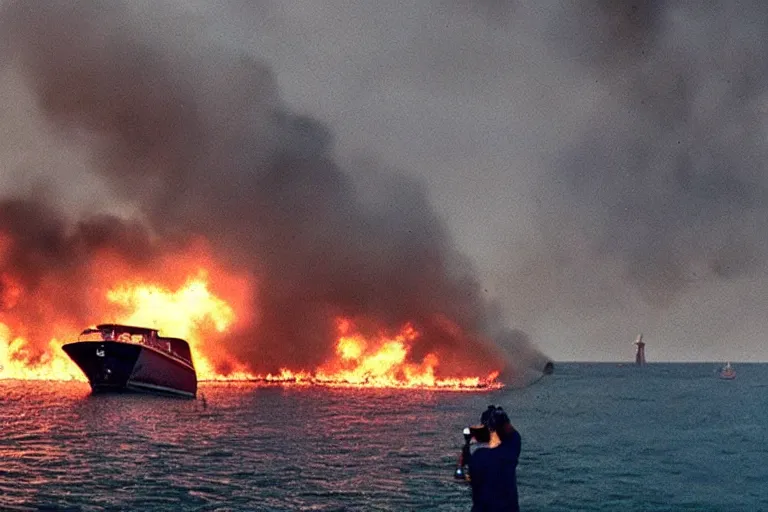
622,148
601,164
193,135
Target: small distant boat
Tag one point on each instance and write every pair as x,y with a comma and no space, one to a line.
727,372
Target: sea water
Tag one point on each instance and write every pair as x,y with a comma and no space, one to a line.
596,437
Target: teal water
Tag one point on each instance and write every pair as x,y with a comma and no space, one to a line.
596,437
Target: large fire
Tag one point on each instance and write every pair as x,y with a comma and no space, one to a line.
290,241
194,313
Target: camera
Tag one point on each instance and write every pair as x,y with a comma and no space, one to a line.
480,434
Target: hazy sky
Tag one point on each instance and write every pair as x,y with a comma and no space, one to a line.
600,162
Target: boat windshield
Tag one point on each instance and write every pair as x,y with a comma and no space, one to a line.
92,334
148,337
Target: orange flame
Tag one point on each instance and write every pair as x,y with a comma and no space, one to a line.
194,313
16,361
382,363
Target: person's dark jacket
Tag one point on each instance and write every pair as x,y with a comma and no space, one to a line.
493,473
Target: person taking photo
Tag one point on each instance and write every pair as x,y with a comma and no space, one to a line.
493,470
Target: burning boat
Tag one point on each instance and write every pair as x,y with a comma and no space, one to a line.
125,358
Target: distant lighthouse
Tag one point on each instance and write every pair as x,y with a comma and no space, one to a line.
640,356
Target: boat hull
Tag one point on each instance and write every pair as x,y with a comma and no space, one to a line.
113,366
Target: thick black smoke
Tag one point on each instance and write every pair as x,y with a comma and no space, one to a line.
196,137
46,277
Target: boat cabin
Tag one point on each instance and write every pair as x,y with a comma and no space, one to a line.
140,336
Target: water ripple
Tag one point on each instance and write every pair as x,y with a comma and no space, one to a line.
595,438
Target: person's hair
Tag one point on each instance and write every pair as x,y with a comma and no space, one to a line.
485,417
498,421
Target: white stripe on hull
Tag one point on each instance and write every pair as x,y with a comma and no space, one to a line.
140,386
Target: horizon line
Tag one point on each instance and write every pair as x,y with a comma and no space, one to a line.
632,363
